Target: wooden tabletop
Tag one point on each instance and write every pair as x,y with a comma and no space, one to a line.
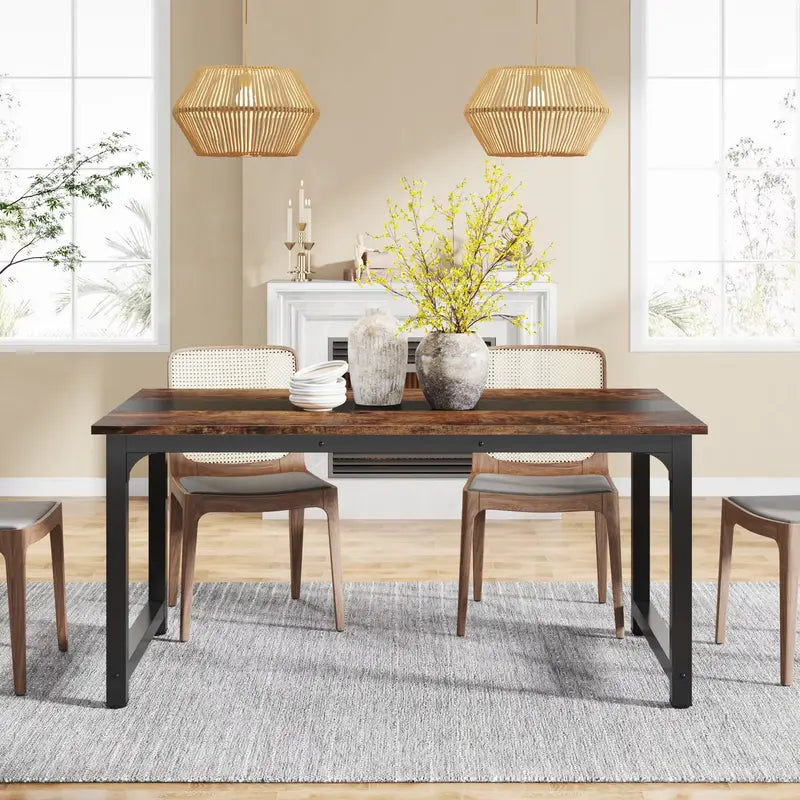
500,411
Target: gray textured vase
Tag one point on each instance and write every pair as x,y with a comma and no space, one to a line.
378,357
452,369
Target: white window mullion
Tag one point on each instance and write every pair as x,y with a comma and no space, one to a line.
796,253
639,265
160,257
723,318
73,142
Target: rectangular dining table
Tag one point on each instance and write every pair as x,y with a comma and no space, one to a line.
642,422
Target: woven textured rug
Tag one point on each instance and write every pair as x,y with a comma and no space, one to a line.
539,690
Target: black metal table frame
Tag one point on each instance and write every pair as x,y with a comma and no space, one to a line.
671,641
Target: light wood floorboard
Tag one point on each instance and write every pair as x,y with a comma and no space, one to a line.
243,547
246,548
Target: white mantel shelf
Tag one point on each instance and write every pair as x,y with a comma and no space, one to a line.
306,316
297,312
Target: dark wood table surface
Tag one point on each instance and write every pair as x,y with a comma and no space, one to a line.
643,422
507,411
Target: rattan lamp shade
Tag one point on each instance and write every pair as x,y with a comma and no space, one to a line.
246,111
537,111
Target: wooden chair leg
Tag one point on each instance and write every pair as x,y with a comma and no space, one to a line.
478,533
789,554
724,577
469,510
175,547
15,577
601,549
296,516
59,583
189,535
332,511
611,506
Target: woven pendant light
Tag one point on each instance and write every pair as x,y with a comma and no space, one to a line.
246,110
537,110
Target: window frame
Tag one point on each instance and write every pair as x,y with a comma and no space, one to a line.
160,341
640,341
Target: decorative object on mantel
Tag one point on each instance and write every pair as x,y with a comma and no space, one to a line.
319,387
378,358
301,272
456,289
369,257
244,110
537,110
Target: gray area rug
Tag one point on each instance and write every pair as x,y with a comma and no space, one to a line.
539,690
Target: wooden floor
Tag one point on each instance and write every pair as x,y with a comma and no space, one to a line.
243,547
246,548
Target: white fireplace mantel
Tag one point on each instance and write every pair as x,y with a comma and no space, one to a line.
304,315
308,316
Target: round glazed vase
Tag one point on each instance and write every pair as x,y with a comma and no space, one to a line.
452,369
378,358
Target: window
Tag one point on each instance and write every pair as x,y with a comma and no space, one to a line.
71,72
715,174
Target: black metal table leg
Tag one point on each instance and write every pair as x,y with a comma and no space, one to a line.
680,570
640,535
117,665
157,534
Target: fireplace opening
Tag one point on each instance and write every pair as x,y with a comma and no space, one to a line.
363,465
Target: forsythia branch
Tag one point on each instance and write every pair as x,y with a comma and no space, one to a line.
454,294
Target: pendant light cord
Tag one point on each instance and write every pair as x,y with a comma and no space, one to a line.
536,37
244,30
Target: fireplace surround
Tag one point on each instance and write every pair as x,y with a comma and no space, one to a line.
314,318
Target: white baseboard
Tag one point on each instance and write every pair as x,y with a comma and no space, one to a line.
64,487
719,487
659,487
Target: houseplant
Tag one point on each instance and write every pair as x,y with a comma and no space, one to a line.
457,277
35,215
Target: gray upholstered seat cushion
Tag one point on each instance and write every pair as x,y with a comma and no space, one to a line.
277,483
18,514
540,485
781,508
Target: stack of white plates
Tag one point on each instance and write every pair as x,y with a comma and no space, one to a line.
319,387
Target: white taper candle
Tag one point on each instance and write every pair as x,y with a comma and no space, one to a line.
302,205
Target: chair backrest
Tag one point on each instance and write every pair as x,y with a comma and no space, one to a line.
545,367
234,367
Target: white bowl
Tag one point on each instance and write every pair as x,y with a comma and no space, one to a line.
302,400
338,385
332,392
323,372
318,388
326,404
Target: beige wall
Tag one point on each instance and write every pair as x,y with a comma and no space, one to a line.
392,79
49,400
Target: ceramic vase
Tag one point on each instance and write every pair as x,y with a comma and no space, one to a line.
452,369
378,359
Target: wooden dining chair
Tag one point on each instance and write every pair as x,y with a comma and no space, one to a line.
23,522
542,482
202,483
776,518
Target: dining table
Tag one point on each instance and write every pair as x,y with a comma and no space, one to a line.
643,422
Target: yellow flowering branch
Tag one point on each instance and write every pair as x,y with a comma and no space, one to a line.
453,291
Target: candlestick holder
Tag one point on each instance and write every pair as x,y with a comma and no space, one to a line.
301,272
